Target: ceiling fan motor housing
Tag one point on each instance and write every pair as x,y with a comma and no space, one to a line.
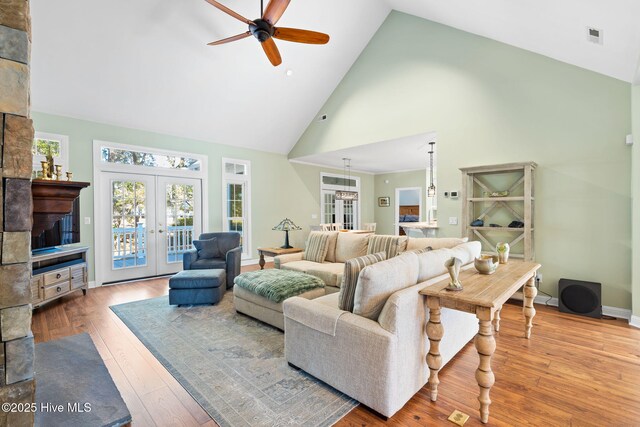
261,30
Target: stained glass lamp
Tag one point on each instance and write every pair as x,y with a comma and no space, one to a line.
286,225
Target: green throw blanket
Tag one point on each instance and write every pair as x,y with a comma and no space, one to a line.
277,285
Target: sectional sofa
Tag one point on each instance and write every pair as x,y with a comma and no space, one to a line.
378,356
344,246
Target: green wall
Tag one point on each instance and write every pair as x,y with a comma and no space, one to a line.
491,103
385,217
636,201
279,188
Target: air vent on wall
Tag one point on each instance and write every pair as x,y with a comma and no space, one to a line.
594,35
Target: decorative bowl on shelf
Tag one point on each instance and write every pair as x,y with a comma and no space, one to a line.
496,193
486,264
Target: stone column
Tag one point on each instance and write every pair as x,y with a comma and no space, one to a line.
17,382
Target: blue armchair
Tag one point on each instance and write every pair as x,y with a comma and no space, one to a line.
227,254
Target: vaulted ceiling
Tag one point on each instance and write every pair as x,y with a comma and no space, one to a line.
144,64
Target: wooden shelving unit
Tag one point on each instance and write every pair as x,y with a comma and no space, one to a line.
518,180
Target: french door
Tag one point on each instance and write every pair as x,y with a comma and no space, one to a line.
152,222
344,212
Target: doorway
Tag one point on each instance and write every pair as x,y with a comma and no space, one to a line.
408,207
152,221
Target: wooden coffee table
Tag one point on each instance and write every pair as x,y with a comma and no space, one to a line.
483,295
275,252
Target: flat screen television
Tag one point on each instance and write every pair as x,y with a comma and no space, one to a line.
64,232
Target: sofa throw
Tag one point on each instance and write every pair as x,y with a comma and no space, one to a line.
391,245
317,247
352,270
277,285
207,248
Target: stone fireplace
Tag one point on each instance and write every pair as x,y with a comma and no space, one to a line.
17,383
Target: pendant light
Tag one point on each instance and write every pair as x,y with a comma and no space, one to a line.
346,194
431,191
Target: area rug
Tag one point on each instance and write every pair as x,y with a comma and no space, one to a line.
232,365
73,386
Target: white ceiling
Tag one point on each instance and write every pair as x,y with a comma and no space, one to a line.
397,155
144,64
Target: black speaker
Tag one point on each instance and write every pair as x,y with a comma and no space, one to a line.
578,297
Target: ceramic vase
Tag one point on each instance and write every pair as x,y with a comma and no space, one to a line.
503,252
453,265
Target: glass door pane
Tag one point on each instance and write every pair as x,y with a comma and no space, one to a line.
128,229
350,214
179,220
236,215
129,218
328,207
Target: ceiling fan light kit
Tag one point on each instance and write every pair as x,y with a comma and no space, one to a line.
264,30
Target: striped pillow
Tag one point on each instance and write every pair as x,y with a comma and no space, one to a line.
317,247
387,244
352,270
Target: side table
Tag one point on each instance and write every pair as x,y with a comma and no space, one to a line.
275,252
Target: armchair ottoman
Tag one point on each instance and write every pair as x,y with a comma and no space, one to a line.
197,287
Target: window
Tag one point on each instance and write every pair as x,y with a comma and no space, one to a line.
236,194
45,144
344,212
146,158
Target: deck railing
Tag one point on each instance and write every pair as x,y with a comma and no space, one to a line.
130,242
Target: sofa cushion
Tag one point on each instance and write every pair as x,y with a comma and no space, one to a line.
351,245
333,239
330,273
379,281
207,248
352,270
467,252
302,265
317,247
435,242
391,245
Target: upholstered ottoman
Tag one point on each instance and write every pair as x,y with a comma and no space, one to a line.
197,287
260,294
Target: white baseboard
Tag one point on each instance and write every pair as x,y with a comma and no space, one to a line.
635,321
92,284
619,313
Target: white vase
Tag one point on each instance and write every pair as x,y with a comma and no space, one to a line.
503,252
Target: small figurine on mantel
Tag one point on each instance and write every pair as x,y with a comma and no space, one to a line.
453,265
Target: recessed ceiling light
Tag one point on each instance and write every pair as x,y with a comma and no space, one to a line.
289,72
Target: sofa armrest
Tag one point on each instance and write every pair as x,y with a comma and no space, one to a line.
233,262
319,317
283,259
188,258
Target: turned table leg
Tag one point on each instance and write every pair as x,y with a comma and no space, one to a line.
261,262
530,292
496,320
435,331
485,345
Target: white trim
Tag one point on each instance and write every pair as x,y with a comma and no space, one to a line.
617,312
396,221
238,179
99,211
64,149
635,321
92,284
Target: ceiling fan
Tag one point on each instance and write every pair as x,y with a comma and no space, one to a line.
265,31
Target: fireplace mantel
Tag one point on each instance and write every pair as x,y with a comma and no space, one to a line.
51,201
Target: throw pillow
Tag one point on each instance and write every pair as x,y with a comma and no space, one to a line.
352,270
351,245
418,251
435,242
391,245
317,247
207,248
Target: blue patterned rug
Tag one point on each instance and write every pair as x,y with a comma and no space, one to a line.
232,365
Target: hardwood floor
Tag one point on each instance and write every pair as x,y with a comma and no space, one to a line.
574,371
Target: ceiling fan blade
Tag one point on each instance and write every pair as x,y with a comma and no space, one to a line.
230,39
300,36
274,10
272,52
228,11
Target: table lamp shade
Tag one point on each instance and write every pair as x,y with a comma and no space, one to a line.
286,225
